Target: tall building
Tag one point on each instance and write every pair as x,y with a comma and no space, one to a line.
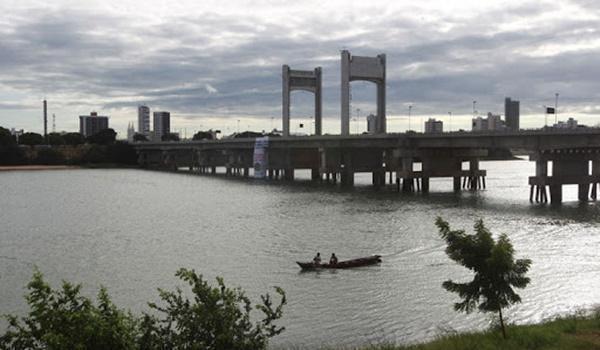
91,124
162,124
511,114
373,124
433,126
144,120
493,122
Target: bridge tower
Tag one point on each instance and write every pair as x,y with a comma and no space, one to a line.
307,80
363,68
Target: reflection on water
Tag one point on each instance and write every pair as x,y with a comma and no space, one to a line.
130,230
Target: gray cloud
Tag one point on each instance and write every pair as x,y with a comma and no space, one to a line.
440,64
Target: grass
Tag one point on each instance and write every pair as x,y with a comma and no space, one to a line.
573,332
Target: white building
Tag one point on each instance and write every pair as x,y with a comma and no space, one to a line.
144,120
569,124
433,126
130,132
493,122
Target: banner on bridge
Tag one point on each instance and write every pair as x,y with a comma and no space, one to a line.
261,160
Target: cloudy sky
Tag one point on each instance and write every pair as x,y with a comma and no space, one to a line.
217,64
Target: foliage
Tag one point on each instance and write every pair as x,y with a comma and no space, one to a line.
122,153
31,138
12,155
137,137
49,156
55,139
103,137
95,154
496,271
63,319
202,135
6,138
73,138
216,318
170,137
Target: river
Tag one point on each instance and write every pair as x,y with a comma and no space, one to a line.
130,230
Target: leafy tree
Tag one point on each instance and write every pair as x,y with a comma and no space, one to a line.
137,137
496,271
31,138
49,156
95,154
6,138
73,138
170,137
55,139
202,135
216,318
122,153
63,319
103,137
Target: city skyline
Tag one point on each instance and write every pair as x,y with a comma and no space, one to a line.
220,66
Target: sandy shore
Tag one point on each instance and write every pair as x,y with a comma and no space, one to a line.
35,167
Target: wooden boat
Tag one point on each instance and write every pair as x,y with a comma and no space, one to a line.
369,260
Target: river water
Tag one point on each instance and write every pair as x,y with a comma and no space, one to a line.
130,230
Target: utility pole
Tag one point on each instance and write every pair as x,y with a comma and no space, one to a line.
556,108
449,121
474,111
409,109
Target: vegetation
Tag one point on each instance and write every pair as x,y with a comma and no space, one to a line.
31,138
137,137
216,318
496,271
203,135
103,137
170,137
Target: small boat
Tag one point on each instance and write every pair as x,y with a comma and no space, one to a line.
369,260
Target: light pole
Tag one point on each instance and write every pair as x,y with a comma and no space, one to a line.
474,102
449,121
238,126
556,108
357,119
409,109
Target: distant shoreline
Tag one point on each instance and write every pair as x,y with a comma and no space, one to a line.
36,167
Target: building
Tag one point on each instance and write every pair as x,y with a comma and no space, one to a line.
92,124
511,114
162,124
433,126
569,124
493,122
144,120
130,132
373,124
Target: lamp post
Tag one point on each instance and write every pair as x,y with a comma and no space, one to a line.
474,102
238,126
449,121
409,109
357,119
556,108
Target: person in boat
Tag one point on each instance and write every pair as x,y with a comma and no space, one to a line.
333,260
317,259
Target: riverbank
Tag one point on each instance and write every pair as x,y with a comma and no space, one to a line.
36,167
573,332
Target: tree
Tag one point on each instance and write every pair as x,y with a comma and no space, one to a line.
202,135
6,138
170,137
137,137
63,319
216,318
496,271
73,138
103,137
55,139
49,156
31,138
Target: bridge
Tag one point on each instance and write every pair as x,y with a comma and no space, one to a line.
408,160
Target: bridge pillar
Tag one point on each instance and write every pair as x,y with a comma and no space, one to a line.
315,175
347,170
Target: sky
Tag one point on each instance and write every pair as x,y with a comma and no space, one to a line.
217,64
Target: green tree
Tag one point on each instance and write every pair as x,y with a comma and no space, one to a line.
103,137
170,137
49,156
6,138
137,137
31,138
202,135
55,139
73,138
216,318
496,271
63,319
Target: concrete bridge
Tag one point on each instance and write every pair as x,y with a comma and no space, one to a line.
410,159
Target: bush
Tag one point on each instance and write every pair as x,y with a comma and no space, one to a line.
49,156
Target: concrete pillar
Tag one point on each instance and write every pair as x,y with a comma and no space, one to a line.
288,174
381,99
425,185
555,194
318,101
456,183
246,172
345,90
285,112
315,175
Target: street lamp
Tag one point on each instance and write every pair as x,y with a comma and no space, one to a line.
357,119
474,102
556,108
238,126
449,121
409,109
